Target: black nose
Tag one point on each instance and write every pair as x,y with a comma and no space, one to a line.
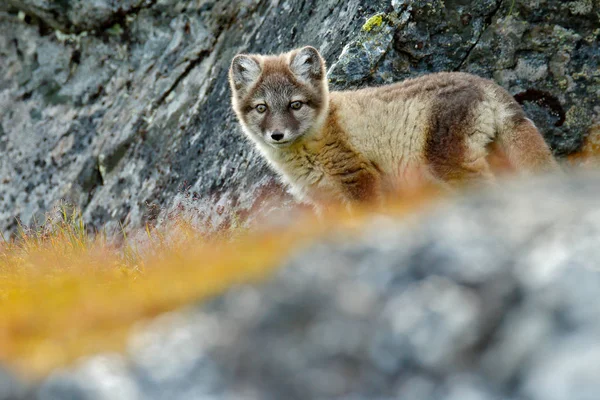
277,135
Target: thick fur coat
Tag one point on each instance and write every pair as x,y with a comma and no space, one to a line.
366,144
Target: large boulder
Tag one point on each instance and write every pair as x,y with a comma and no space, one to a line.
123,107
489,296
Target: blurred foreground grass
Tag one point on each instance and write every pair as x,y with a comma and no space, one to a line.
65,293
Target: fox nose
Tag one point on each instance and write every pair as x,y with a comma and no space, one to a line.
277,136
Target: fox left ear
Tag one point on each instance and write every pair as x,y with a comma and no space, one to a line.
308,65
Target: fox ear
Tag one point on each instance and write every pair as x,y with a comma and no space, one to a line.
308,65
244,71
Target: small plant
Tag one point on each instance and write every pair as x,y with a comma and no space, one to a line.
63,234
512,6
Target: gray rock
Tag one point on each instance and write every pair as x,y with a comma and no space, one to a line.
79,15
491,295
12,388
123,107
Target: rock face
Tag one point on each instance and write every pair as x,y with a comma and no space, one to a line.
120,117
492,296
12,389
123,107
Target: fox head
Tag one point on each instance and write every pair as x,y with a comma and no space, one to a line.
279,99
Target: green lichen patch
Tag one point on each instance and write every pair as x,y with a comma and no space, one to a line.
374,22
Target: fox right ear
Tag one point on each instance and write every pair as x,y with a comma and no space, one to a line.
308,65
244,71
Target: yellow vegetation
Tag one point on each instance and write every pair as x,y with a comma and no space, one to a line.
64,293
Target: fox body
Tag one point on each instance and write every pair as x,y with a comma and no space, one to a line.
365,144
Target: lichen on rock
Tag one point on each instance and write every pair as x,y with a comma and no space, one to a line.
374,21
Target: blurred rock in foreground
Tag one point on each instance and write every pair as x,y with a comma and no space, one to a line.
492,296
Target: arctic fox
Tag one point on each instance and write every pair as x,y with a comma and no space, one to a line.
363,145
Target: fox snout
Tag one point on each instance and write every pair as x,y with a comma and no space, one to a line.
279,126
277,135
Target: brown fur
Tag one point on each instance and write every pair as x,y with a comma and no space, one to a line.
526,149
358,177
357,146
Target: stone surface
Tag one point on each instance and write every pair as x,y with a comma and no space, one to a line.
123,107
488,296
79,15
13,389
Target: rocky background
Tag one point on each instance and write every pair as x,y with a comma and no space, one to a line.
122,107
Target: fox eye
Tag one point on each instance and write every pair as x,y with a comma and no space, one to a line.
296,105
261,108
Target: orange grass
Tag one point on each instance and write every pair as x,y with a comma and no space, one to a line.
64,294
589,155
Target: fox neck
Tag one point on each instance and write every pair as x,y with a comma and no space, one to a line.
318,130
306,162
